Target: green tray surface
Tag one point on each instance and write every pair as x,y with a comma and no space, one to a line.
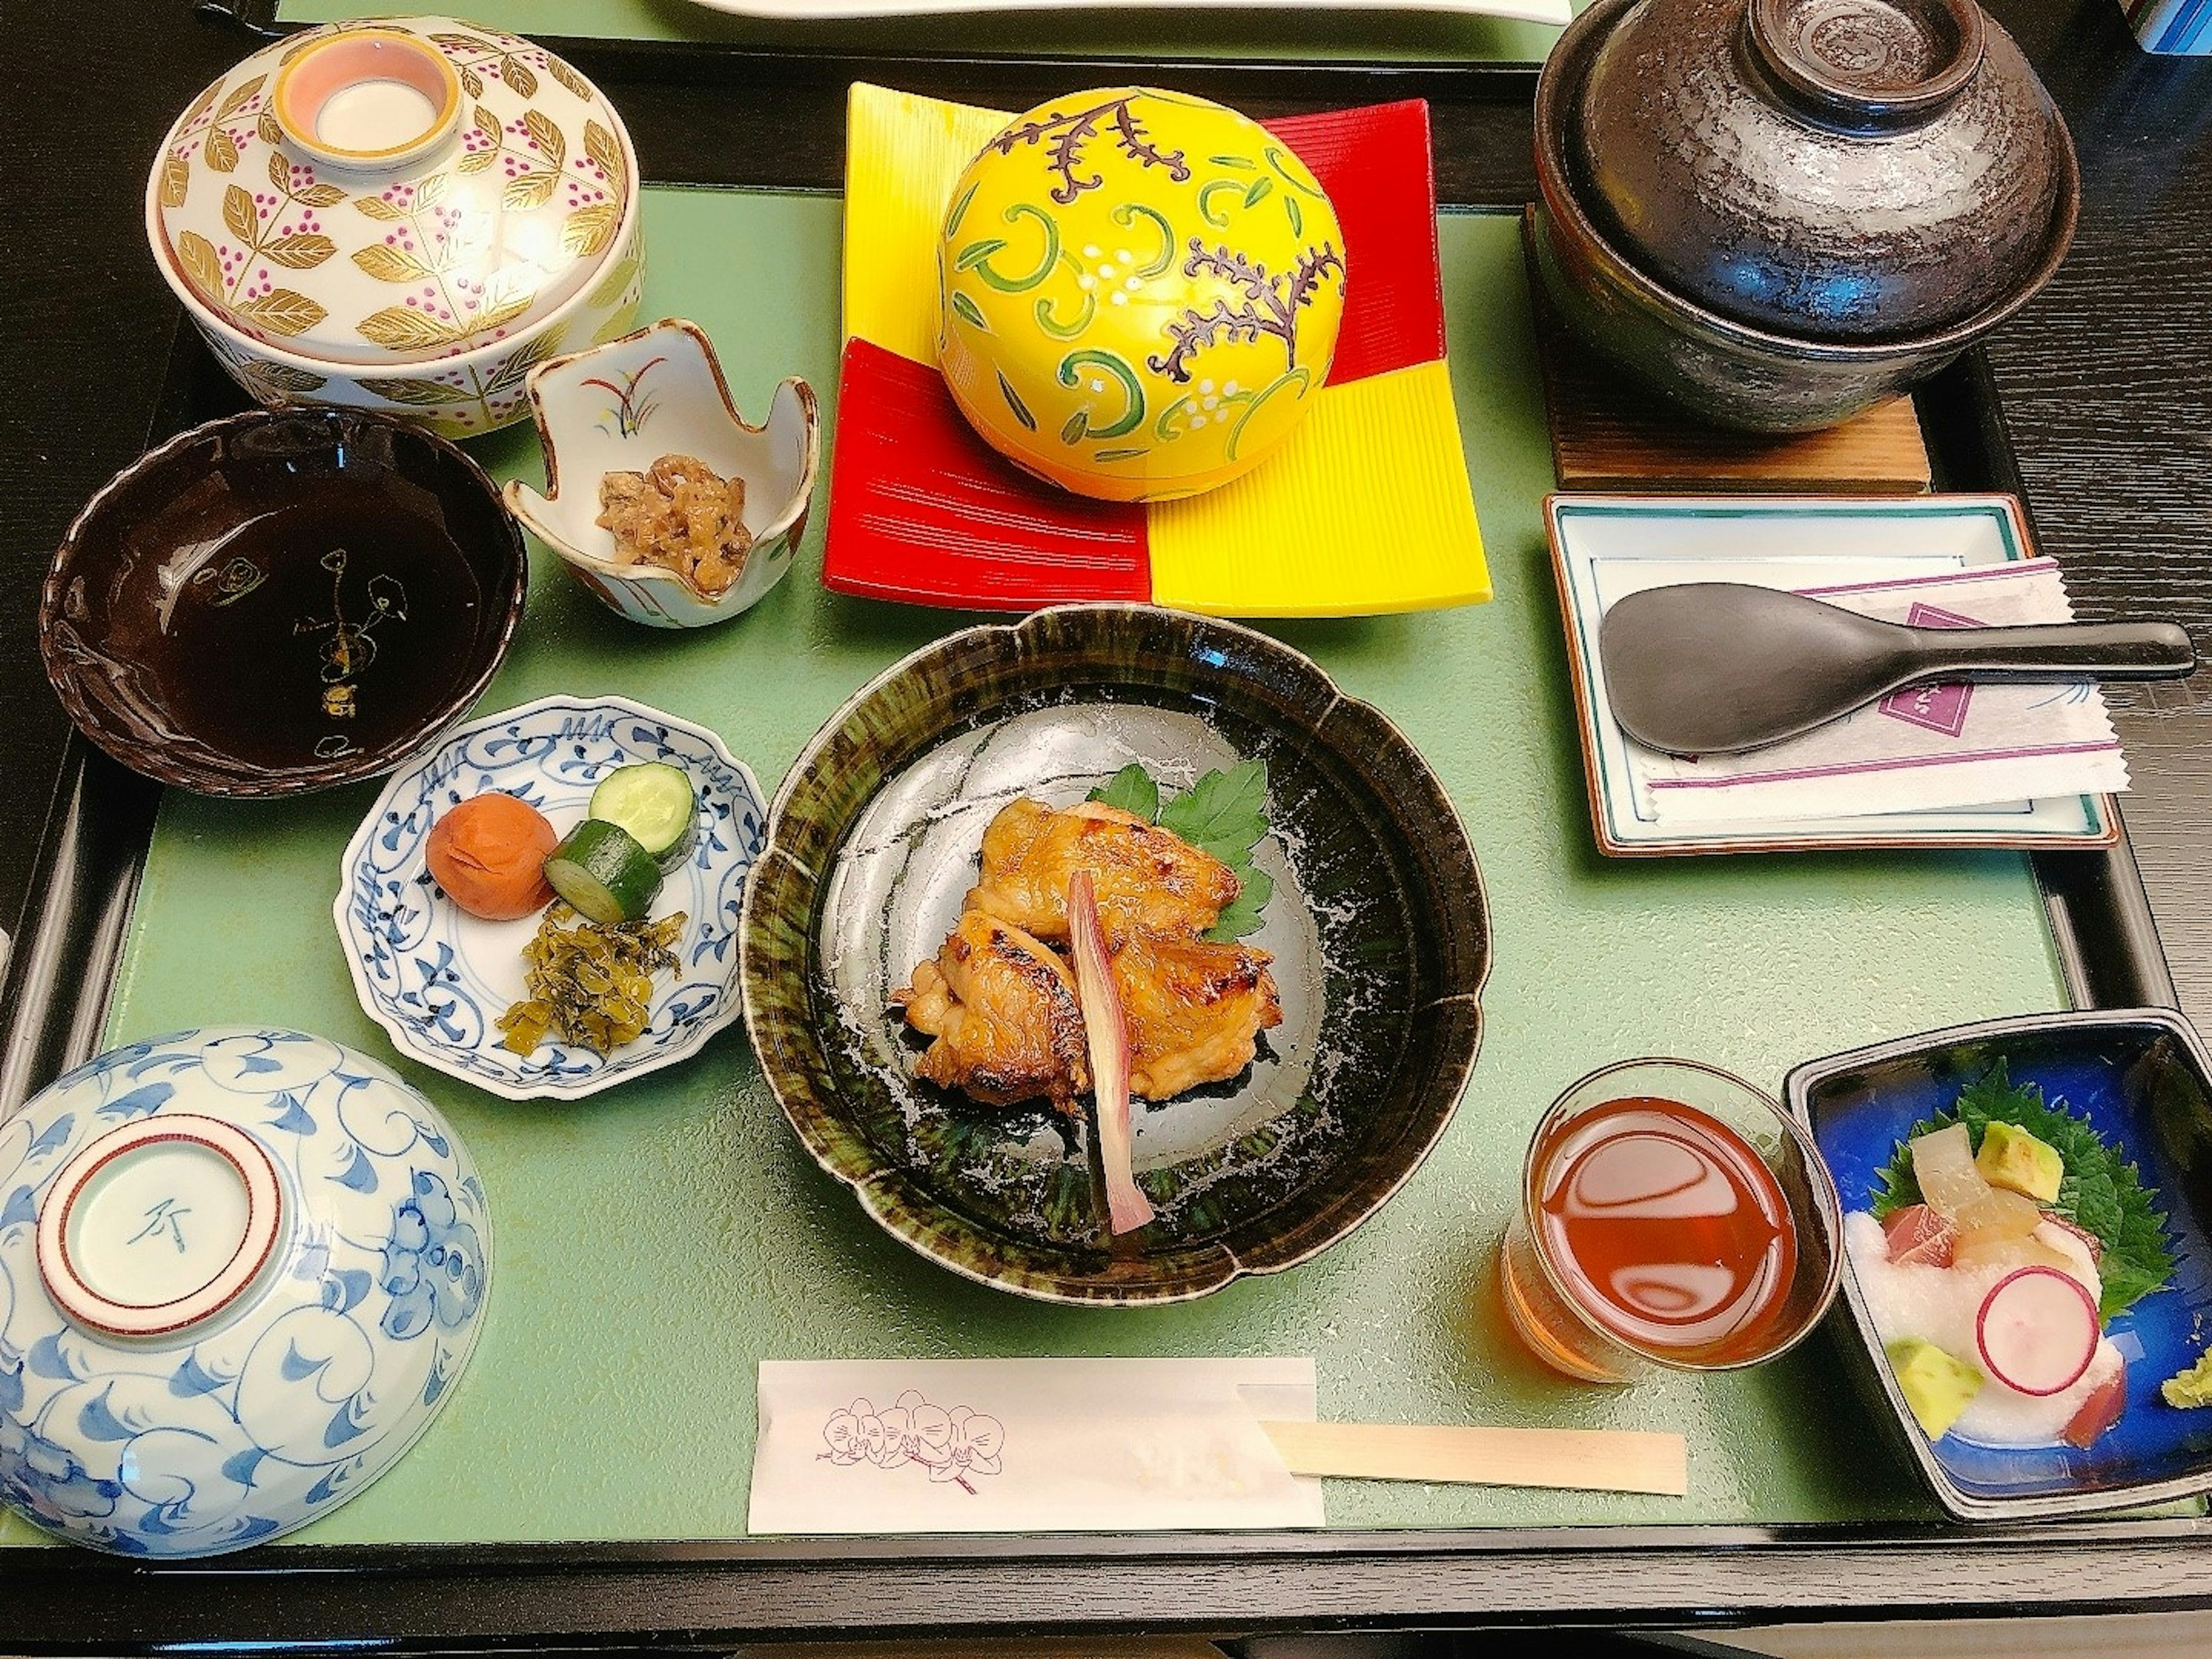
657,1240
1269,34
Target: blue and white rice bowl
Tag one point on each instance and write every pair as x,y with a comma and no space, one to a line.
437,979
240,1272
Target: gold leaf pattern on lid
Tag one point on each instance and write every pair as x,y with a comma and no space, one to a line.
390,265
282,312
591,230
402,329
239,214
499,224
299,252
197,255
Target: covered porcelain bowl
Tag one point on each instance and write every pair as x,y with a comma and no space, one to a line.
240,1271
1140,293
1845,170
401,214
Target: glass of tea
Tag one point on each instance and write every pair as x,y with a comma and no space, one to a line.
1671,1216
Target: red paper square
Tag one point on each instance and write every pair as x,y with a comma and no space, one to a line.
923,510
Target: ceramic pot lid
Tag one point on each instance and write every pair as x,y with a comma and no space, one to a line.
1844,170
240,1271
398,189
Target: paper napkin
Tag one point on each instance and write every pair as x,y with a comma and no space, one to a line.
1922,750
1028,1445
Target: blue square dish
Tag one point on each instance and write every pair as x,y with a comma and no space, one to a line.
2143,1079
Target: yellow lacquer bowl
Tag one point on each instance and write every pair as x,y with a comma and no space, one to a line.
1141,293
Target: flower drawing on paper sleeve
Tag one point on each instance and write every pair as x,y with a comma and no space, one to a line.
974,1448
854,1434
433,1265
952,1445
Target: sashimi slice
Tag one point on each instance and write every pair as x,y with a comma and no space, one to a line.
1918,1234
2098,1412
2036,1331
1943,1164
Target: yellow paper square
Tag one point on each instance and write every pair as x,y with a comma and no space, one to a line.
1366,508
903,154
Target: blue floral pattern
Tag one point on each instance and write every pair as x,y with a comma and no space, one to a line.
437,979
432,1264
258,1422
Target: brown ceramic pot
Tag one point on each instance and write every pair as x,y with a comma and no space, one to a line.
1843,169
1765,379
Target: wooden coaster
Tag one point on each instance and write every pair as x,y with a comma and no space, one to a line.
1608,433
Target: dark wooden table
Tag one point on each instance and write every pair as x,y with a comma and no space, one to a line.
2104,385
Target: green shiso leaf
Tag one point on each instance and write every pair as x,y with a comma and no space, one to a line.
1242,915
1132,790
2101,1193
1224,808
1224,814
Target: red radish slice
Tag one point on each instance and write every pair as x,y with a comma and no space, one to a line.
1918,1234
1108,1035
2036,1331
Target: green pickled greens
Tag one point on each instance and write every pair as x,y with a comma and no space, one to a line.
589,982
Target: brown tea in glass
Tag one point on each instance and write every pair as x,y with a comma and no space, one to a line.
1671,1215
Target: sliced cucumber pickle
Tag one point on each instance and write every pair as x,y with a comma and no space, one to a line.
604,873
655,802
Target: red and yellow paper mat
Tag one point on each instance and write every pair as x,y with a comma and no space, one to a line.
1365,508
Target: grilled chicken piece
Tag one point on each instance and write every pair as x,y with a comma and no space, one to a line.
1193,1008
1004,1011
1148,880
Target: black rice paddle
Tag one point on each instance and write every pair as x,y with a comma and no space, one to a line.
1714,668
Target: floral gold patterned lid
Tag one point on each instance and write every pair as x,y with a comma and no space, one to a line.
393,190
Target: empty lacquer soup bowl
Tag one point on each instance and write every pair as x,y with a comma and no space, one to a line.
280,602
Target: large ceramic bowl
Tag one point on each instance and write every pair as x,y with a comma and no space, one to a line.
275,603
1732,372
2143,1080
240,1272
402,215
1377,926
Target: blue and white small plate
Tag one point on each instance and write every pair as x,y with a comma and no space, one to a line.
438,979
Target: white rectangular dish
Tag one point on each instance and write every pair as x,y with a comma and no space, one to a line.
1602,546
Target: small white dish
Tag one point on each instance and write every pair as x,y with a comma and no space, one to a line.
437,979
1604,546
240,1271
621,406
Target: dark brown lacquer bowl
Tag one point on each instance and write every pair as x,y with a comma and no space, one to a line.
280,602
1378,927
1780,214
